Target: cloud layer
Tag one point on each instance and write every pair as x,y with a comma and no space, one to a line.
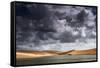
40,26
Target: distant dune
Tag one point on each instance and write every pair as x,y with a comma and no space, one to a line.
83,52
36,54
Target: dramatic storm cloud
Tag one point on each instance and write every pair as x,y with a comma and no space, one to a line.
43,27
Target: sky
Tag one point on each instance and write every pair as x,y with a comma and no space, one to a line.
55,27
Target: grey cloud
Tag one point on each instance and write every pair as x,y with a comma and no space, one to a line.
46,24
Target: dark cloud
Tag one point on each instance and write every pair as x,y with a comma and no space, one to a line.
36,12
38,24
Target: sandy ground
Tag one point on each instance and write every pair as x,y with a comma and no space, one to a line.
37,54
34,54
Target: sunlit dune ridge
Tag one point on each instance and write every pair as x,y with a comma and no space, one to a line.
37,54
80,52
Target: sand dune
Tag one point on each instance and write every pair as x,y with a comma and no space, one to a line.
83,52
34,54
37,54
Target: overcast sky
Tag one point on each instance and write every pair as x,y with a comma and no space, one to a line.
43,27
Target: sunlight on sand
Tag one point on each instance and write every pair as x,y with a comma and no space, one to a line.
37,54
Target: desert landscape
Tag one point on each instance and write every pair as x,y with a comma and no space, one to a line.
52,56
45,53
57,34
